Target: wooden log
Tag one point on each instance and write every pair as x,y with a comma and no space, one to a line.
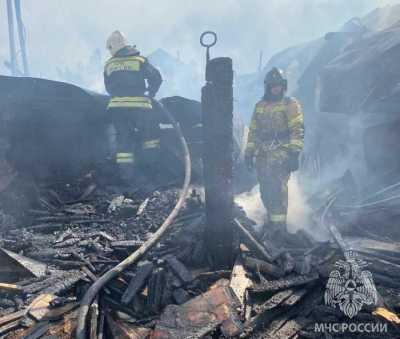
56,284
94,316
274,301
67,264
46,228
281,284
121,330
10,288
155,290
12,317
38,330
179,269
10,326
253,243
277,305
299,303
127,244
289,329
102,320
262,266
137,282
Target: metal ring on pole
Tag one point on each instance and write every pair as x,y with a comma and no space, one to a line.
208,45
203,35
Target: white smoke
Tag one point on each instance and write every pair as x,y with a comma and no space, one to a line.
64,34
299,213
252,204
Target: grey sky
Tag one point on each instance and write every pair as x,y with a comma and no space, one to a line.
65,33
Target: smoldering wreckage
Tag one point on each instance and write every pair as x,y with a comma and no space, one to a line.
77,249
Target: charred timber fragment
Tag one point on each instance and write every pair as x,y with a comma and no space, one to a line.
137,282
38,330
217,111
55,285
179,269
284,283
155,290
262,266
279,304
9,327
123,330
252,242
94,316
127,244
180,296
201,315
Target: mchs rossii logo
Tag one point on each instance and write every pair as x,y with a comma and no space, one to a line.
350,286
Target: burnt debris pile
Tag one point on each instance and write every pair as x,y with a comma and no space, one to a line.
276,288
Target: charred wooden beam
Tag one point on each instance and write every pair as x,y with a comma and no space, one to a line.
201,315
102,320
9,327
94,317
252,242
156,290
262,266
137,282
55,285
12,317
281,284
10,288
217,110
127,244
180,296
38,330
123,330
179,269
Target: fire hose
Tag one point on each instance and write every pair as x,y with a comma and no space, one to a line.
139,253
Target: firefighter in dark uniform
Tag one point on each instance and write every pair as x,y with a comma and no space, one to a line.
131,82
276,138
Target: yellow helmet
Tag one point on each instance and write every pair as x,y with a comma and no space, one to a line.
116,42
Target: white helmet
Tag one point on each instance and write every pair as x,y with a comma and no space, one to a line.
115,42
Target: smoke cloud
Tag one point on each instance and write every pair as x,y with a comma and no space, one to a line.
299,213
66,39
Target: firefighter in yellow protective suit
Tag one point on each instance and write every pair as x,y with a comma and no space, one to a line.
131,82
276,138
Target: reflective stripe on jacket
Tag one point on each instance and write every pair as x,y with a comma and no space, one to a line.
126,75
139,102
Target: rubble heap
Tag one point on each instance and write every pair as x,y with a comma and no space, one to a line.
52,253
